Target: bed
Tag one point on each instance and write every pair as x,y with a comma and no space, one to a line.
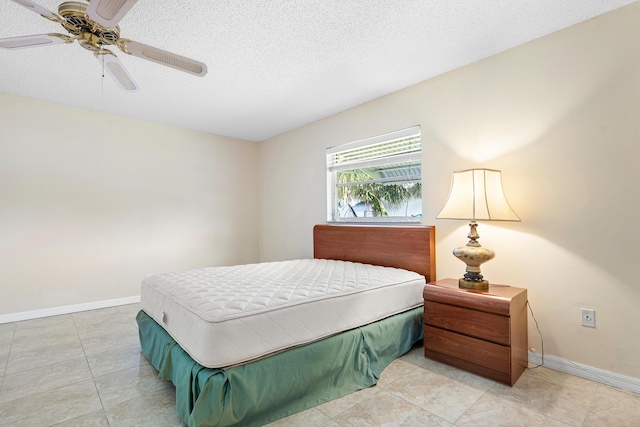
247,345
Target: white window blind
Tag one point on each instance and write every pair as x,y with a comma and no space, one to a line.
396,147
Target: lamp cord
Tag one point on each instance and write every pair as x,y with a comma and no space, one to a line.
541,339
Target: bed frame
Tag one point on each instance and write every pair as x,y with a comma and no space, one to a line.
255,393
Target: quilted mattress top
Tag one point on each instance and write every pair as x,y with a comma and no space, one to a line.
218,294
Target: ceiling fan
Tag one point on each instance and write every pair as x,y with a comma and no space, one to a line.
95,26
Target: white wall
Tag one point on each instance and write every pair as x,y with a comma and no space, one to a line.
560,116
90,203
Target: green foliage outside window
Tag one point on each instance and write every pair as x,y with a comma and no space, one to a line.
353,188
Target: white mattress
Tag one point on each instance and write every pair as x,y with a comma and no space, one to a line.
224,316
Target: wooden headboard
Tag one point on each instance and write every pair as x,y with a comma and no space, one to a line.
408,247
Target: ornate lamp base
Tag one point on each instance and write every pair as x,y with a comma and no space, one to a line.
473,255
481,285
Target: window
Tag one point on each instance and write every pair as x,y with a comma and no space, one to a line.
376,179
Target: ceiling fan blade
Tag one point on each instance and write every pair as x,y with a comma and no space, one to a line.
108,12
36,40
36,8
163,57
116,69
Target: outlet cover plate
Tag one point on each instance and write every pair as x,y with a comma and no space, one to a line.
588,317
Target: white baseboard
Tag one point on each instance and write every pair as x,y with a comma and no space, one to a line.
55,311
589,372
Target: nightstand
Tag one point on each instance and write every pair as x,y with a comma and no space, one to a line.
483,332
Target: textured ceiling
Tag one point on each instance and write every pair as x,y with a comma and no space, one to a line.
275,65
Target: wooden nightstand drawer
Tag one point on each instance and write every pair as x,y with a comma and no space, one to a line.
490,327
473,350
496,300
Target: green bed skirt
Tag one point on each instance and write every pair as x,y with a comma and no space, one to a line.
263,391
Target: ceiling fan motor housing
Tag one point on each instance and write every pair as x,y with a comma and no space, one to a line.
92,36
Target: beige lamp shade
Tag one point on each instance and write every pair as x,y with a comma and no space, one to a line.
477,195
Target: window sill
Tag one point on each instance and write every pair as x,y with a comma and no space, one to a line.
376,220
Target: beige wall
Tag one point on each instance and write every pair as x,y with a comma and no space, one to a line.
90,203
560,116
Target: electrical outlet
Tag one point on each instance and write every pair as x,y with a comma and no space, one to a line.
588,317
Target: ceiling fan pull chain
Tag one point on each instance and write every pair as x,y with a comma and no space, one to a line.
102,82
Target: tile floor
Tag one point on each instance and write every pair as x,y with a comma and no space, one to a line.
86,369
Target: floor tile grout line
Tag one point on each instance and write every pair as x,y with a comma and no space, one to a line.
46,391
588,407
4,371
37,348
536,411
418,407
415,367
494,384
382,388
105,415
80,416
93,379
44,366
474,403
593,398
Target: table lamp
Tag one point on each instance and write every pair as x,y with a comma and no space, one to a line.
476,195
